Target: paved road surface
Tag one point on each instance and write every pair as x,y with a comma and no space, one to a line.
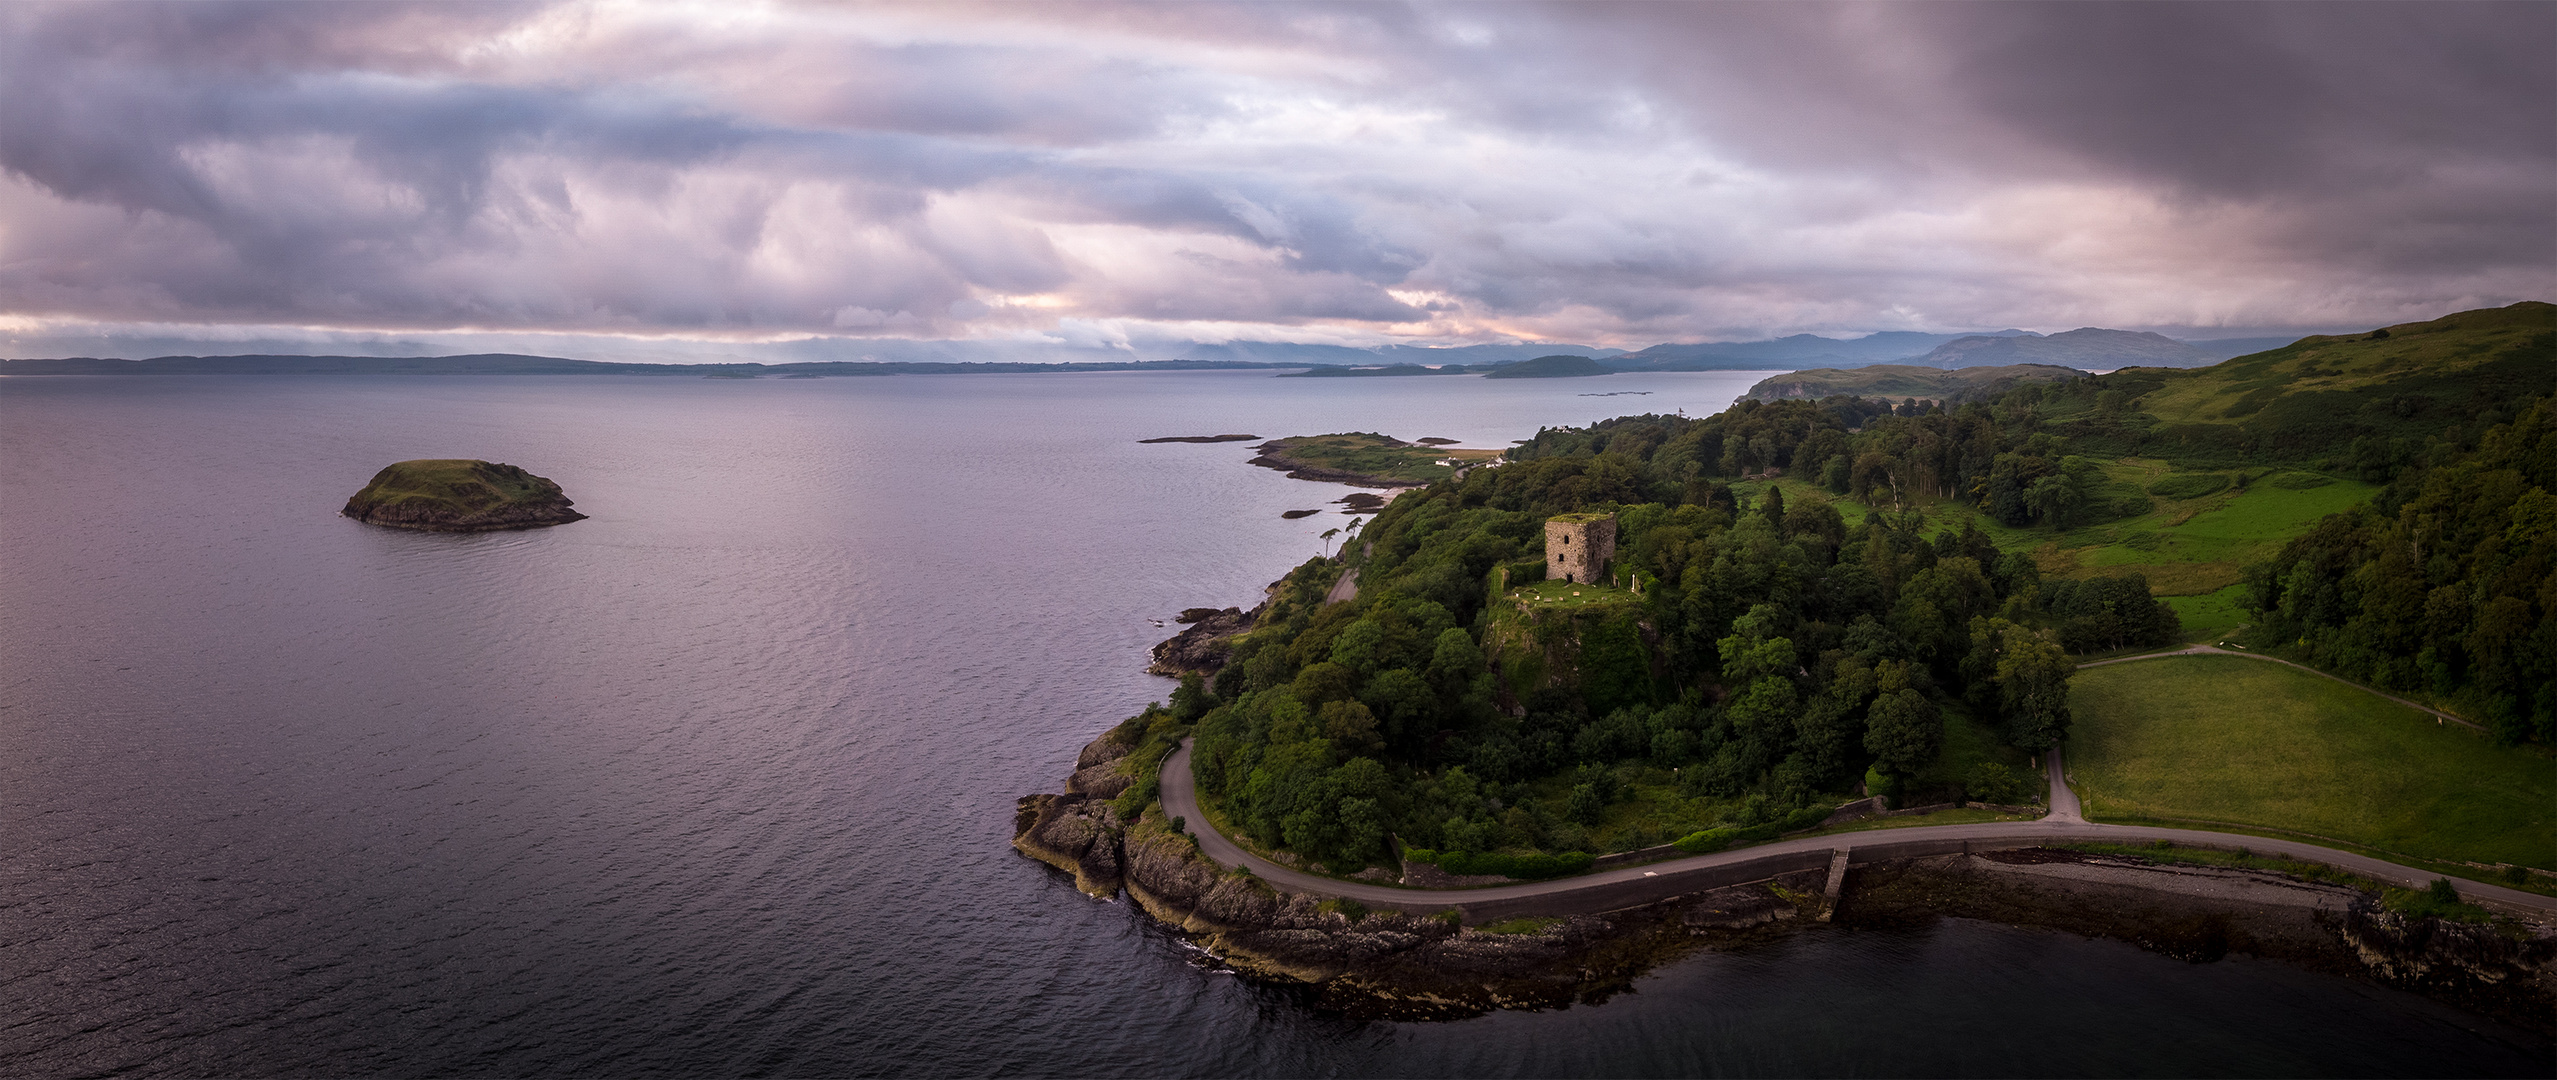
1344,589
1180,799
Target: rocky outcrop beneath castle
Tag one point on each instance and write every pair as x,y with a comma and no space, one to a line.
1202,646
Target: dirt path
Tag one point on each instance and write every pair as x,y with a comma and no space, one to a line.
2211,650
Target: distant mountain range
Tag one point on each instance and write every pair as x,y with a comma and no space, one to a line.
2087,348
1284,352
1798,351
2090,348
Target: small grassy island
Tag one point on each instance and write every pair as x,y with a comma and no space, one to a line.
459,495
1365,459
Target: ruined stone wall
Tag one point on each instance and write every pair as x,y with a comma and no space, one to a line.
1578,551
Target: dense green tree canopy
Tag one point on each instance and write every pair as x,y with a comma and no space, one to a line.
2446,583
1766,652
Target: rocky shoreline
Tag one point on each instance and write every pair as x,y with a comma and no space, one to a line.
1393,964
1386,964
1204,641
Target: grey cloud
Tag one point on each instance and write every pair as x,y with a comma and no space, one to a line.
2427,130
1847,165
2256,99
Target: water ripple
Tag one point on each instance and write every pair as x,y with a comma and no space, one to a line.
719,781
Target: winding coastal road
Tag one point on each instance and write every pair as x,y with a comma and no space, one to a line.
1628,886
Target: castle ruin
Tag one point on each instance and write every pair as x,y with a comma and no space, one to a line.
1577,547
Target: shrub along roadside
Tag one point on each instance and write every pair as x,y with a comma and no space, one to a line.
1711,840
2440,900
1139,795
1157,732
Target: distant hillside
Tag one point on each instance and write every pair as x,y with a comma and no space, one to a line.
1479,355
1901,382
1550,367
2367,397
1798,351
1287,352
2219,349
1330,371
1279,352
2087,349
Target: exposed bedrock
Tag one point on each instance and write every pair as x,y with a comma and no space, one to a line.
1202,646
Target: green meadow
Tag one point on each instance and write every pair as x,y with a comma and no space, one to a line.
2195,540
2232,740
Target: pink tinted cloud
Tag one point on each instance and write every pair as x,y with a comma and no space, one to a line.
1618,174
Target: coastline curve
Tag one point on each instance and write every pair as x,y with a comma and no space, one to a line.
1631,886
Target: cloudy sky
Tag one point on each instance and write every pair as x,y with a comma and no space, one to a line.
1132,174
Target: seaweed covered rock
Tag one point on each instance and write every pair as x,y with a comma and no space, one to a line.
459,495
1202,646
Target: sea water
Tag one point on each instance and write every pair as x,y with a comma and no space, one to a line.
720,781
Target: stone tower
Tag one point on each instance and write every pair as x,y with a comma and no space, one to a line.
1577,547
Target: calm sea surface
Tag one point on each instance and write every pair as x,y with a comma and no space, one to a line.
721,780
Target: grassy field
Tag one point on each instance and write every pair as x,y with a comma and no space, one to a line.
2188,545
2192,546
2422,353
1564,594
2212,615
2245,742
